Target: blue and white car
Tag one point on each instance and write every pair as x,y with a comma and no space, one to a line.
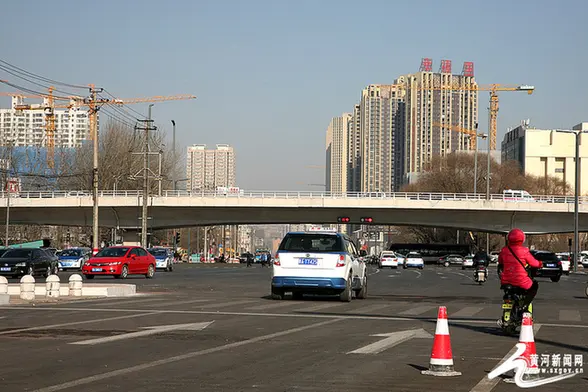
73,258
164,258
318,262
414,260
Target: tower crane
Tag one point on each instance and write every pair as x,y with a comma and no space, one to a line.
49,106
470,132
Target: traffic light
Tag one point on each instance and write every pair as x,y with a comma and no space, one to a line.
367,219
177,237
343,219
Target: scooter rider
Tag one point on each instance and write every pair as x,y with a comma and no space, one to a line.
514,261
481,258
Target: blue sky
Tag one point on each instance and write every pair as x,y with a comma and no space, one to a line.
269,75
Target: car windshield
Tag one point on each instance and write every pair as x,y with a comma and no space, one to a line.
388,254
546,256
312,243
112,252
18,253
158,252
71,252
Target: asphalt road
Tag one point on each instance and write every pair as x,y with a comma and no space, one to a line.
219,331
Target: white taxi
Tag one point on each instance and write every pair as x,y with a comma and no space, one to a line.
318,263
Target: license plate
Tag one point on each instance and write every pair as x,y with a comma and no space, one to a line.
308,261
96,269
506,306
5,269
550,265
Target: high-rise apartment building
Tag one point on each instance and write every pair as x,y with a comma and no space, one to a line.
354,151
208,169
437,106
337,154
381,126
25,128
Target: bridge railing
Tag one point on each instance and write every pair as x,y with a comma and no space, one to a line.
417,196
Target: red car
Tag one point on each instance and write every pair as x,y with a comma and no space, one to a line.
120,261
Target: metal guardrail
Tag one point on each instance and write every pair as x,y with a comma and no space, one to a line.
421,196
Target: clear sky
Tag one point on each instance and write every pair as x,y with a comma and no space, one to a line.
270,74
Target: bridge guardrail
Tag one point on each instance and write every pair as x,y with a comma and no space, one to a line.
417,196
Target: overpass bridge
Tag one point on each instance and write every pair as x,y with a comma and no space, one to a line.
176,209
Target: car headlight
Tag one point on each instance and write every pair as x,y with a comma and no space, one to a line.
21,264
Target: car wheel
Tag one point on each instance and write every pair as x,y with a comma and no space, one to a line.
446,264
277,294
297,295
150,271
421,267
346,295
362,293
555,278
89,276
124,272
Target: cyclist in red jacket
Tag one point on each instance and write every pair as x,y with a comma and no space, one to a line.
514,261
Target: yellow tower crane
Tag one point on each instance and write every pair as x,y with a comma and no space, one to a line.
470,132
93,104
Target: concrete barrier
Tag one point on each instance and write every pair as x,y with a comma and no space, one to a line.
27,288
52,286
4,299
3,285
75,285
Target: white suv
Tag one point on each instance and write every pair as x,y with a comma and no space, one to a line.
318,263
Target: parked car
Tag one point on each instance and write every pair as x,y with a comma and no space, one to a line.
164,258
552,266
415,260
120,262
28,261
451,259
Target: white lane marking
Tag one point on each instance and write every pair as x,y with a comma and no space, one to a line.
392,339
225,304
165,361
392,276
570,315
137,301
418,310
418,273
373,273
78,322
190,301
148,331
275,305
320,307
485,384
370,308
292,315
465,276
467,311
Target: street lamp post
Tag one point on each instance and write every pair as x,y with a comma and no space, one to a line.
576,193
483,136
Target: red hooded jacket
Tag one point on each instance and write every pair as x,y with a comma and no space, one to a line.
513,272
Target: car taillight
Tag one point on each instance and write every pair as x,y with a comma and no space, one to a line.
277,259
507,301
341,261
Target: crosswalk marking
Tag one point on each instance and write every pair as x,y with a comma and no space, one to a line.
225,304
467,311
274,305
370,308
321,307
569,315
418,310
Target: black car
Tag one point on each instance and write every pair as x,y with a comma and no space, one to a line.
244,256
28,261
551,265
451,259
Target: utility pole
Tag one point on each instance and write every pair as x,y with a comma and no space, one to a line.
93,108
146,175
159,172
8,185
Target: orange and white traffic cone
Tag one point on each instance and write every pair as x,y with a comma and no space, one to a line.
441,363
526,337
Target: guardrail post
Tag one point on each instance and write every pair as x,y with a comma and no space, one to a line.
3,285
52,286
75,285
27,288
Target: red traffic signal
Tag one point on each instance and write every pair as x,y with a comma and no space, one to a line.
367,220
343,219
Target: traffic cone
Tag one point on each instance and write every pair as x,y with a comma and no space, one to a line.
441,363
526,337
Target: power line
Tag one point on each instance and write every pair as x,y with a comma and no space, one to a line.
34,92
33,82
142,116
39,77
